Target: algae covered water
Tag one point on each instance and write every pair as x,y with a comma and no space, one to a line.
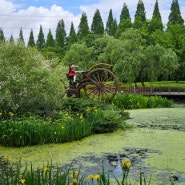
155,146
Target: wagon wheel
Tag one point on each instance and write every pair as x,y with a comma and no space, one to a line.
102,85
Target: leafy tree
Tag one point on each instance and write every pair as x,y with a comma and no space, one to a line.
175,39
156,21
40,40
140,15
29,84
138,62
61,34
83,28
97,26
21,38
111,25
125,14
50,42
175,14
2,37
31,41
80,55
72,36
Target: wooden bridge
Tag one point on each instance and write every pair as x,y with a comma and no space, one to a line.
150,91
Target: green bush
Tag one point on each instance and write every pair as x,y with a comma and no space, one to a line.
79,118
130,101
27,82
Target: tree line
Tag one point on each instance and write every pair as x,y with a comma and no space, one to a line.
142,50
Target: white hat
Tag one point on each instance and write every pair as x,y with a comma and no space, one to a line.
73,65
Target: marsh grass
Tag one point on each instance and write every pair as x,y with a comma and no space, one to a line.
15,174
129,101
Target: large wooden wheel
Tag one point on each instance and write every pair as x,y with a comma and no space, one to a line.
102,85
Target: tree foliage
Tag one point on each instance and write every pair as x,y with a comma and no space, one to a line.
2,37
175,16
27,83
72,36
31,41
97,26
83,28
61,34
40,40
111,25
50,42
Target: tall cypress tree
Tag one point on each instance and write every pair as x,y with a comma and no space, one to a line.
175,14
50,42
125,20
11,39
156,21
97,26
125,15
40,41
140,11
2,37
72,36
61,34
21,38
83,28
111,25
31,41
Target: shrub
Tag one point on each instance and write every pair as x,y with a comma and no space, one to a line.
27,83
129,101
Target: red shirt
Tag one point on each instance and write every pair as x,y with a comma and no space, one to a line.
72,72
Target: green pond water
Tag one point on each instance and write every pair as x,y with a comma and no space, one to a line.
158,149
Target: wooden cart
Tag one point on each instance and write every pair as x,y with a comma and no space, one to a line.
98,83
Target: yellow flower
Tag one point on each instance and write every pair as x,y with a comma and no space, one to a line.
88,109
22,181
97,176
75,181
81,116
9,159
62,127
55,133
125,164
76,173
11,114
1,113
46,169
91,176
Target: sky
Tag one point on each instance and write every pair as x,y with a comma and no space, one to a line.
30,14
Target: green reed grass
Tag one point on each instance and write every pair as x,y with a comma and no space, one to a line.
15,174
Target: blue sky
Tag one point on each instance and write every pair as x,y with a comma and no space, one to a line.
30,14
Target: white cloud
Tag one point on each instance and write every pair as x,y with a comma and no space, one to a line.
32,18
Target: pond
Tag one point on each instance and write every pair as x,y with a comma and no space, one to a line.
155,146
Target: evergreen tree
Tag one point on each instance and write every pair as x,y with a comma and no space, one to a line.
72,36
175,14
111,26
61,34
40,41
125,20
2,37
11,39
50,42
156,21
125,13
31,41
140,11
21,38
97,26
83,28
